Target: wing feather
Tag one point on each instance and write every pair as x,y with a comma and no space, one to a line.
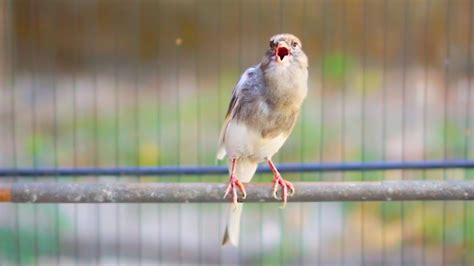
230,113
247,81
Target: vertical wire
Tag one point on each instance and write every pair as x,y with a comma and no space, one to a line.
10,27
384,117
221,83
343,122
219,97
445,120
198,129
281,15
301,247
55,142
260,205
118,247
158,122
4,90
281,221
321,120
137,125
362,128
425,124
240,25
281,217
178,129
95,135
404,65
468,131
74,141
35,39
4,83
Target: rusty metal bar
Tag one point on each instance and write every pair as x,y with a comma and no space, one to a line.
213,192
5,192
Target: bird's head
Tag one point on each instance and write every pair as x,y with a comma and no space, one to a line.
285,49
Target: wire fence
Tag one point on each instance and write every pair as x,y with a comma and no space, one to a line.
118,93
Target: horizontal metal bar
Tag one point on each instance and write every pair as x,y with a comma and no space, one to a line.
220,170
213,192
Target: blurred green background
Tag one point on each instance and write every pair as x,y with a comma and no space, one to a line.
147,83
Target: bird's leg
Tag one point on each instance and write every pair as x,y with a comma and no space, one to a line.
234,183
279,181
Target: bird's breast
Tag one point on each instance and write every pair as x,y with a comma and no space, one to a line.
286,86
247,142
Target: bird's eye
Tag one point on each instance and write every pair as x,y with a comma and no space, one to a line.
294,44
272,44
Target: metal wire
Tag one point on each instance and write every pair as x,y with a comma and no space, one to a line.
75,160
222,170
137,125
404,111
33,112
117,131
384,118
445,116
10,43
159,135
424,127
344,89
466,244
95,143
363,125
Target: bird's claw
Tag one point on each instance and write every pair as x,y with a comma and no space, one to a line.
235,184
285,185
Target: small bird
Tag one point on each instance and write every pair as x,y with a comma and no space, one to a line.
263,110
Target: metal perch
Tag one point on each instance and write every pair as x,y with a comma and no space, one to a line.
213,192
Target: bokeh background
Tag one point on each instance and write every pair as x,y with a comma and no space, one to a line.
147,83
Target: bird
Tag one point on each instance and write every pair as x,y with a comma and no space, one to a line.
263,110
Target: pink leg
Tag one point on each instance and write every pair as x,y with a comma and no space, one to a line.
279,181
234,183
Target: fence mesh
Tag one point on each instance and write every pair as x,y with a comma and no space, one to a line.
147,83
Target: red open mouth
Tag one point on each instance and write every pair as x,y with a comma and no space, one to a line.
281,52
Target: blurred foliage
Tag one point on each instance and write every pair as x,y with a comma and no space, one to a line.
336,65
30,243
145,29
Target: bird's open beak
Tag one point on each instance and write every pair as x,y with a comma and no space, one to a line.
281,51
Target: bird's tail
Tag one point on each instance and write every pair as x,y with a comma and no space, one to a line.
245,170
232,230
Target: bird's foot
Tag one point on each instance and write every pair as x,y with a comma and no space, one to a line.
285,186
235,184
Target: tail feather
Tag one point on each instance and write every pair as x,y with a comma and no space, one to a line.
232,231
244,171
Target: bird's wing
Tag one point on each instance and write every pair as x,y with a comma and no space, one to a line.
234,103
230,113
